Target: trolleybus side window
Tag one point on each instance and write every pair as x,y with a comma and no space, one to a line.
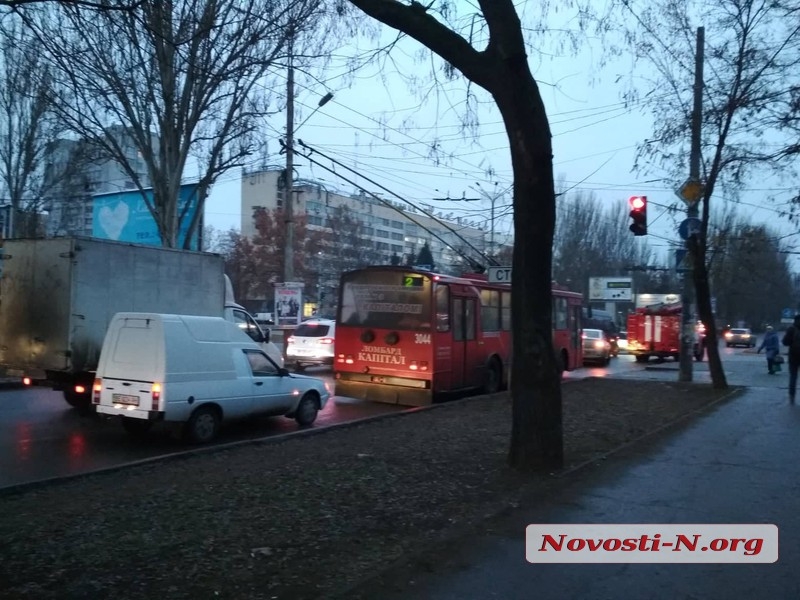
490,310
505,311
442,307
560,313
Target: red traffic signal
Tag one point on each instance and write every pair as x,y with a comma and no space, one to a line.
638,205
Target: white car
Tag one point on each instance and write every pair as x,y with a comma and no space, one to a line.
311,343
195,372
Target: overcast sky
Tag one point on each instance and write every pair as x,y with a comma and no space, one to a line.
381,125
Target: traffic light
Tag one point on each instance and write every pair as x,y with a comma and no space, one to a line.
638,213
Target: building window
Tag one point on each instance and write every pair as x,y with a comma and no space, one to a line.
369,231
396,248
384,222
397,225
397,236
314,220
381,246
383,234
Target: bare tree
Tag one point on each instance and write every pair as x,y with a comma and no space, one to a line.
27,126
751,66
501,67
593,241
184,81
99,5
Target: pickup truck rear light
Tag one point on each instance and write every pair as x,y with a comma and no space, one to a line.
96,389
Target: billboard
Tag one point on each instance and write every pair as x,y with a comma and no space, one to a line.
124,217
288,303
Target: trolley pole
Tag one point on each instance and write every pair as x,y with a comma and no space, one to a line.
288,200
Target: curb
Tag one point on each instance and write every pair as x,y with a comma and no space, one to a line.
273,439
11,383
410,559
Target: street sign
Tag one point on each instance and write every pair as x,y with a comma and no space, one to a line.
691,191
499,275
689,227
787,315
683,261
611,289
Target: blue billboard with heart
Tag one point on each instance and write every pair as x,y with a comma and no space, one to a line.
124,217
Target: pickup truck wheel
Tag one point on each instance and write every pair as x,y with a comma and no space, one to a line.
307,409
203,425
136,427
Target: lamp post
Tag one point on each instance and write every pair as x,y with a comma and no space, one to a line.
493,197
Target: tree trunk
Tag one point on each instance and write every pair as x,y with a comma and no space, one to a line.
706,314
536,435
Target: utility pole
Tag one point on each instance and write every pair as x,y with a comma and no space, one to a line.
687,323
288,200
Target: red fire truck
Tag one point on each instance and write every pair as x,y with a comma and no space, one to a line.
656,331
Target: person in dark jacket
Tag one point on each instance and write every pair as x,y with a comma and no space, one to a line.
791,339
772,348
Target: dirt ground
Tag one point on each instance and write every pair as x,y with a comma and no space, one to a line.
311,516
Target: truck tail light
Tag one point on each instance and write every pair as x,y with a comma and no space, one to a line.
96,389
79,389
155,393
26,381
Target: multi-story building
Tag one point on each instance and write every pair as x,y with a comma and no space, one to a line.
76,173
392,228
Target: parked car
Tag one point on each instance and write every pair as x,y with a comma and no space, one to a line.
193,372
311,343
596,347
740,337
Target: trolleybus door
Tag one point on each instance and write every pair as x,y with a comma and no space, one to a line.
464,343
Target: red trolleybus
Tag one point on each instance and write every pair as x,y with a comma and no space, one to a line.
404,335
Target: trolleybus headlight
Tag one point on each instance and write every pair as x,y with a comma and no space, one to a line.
368,336
392,338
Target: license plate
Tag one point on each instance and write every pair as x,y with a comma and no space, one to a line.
125,399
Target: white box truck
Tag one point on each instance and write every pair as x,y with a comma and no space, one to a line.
58,296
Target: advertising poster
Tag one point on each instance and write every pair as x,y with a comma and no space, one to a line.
124,217
288,303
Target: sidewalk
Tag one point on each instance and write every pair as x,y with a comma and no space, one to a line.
738,464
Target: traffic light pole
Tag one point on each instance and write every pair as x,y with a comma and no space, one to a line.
687,322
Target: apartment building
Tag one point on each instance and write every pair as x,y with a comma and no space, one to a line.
392,227
76,174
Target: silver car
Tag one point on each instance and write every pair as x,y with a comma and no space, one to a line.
596,347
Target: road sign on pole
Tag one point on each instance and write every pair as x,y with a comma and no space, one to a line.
689,227
691,191
499,275
683,261
787,315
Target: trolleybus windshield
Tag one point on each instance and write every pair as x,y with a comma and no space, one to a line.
386,300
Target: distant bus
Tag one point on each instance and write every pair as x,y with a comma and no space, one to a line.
404,335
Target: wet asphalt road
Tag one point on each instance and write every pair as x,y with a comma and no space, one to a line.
41,437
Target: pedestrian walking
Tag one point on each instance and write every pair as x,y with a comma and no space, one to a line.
791,339
772,349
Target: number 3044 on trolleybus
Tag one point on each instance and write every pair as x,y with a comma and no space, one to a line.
405,335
